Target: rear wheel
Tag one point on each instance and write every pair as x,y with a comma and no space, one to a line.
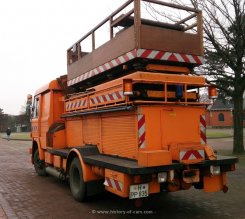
39,164
77,184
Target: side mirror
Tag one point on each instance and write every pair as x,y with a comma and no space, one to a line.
29,105
29,99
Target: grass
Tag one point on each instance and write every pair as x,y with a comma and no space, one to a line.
218,133
211,133
18,136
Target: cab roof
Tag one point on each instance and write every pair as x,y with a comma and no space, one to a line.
53,85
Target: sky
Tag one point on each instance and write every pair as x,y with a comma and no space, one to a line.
34,37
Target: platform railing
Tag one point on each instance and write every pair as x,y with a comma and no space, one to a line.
75,52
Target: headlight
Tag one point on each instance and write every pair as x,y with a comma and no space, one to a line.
215,170
162,177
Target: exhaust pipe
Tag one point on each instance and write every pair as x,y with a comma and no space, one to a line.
54,172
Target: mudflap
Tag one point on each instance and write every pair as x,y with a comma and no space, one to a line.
95,187
214,183
211,181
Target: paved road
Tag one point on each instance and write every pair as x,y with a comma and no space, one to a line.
23,194
221,144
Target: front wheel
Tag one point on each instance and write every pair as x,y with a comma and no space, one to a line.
39,164
77,184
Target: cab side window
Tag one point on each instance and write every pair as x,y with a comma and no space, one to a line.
36,108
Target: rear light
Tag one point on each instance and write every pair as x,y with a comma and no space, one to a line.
127,87
215,170
162,177
171,175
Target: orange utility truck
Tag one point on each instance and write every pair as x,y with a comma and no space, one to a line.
127,117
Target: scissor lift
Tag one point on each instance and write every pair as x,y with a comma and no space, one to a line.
140,41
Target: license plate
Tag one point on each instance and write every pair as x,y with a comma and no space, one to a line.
138,191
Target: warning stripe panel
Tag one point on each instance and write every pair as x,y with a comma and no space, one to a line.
203,138
106,98
113,184
203,120
113,63
139,53
192,155
76,104
141,131
169,56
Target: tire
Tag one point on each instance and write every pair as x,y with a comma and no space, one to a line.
39,165
77,184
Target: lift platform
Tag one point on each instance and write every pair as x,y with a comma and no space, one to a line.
135,40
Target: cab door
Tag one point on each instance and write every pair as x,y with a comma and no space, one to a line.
41,118
35,126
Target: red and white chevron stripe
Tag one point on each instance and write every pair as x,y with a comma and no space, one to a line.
113,184
71,105
169,56
101,99
113,63
192,155
203,137
141,131
139,53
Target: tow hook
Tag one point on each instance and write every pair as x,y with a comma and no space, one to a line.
225,189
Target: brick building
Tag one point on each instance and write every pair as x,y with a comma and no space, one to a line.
219,114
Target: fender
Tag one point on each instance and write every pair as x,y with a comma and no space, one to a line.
40,151
88,174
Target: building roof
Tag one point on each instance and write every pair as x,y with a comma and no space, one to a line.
220,104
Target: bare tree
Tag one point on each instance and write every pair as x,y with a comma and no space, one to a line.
224,49
224,34
23,119
6,121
